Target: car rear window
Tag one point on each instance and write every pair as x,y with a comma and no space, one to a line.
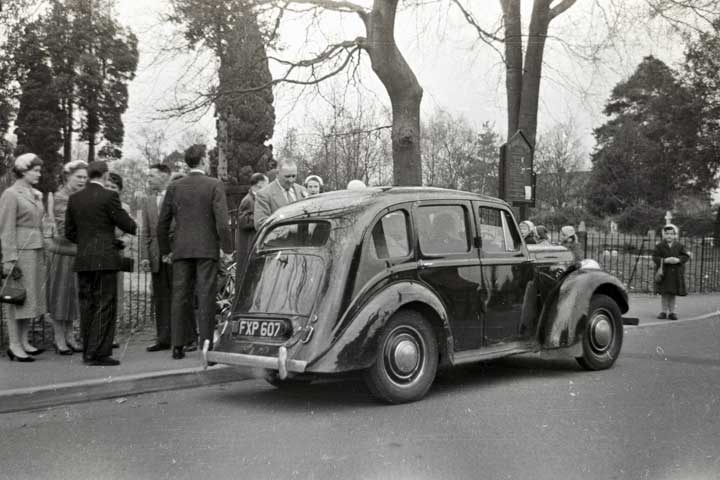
281,283
296,235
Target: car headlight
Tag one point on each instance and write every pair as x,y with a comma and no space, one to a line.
589,264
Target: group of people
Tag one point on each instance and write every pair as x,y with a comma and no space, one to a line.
538,235
67,261
70,269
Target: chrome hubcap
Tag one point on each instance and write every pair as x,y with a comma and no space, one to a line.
404,355
601,332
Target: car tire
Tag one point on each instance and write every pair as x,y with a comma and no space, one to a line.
296,381
406,359
603,335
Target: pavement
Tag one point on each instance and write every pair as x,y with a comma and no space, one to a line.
56,380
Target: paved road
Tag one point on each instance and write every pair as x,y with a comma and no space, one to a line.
654,416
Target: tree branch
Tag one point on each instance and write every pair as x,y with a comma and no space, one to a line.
560,8
484,34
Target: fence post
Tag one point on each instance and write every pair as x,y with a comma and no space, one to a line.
702,263
582,234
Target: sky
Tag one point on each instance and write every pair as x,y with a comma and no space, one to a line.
458,74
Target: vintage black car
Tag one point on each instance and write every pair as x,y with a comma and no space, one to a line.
397,282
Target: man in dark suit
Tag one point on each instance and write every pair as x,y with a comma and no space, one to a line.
246,224
280,192
90,220
198,206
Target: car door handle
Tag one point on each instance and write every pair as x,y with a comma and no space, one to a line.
422,264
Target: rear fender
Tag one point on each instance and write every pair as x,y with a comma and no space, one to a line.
355,349
565,312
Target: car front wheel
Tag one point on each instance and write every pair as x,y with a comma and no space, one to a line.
603,334
406,359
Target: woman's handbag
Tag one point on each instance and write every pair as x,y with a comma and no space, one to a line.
12,290
659,272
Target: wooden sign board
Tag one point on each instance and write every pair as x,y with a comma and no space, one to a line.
517,175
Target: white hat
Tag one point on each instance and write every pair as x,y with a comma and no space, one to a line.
355,185
24,162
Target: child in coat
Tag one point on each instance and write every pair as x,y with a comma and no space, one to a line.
673,256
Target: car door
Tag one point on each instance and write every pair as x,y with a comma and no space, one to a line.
507,294
448,261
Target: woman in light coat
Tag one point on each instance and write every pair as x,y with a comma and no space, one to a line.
21,236
63,302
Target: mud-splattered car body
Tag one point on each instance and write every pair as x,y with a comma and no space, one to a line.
329,275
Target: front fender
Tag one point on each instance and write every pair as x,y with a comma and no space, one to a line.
355,348
565,312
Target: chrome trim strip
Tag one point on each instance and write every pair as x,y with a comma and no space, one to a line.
269,363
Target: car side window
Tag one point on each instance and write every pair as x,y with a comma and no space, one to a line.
491,230
389,236
442,229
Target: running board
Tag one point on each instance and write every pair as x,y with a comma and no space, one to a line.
494,352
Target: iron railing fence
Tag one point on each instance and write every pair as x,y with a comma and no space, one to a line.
629,258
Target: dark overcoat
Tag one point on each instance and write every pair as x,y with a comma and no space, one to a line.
90,220
673,279
198,206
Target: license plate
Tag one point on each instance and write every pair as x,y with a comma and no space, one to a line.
261,328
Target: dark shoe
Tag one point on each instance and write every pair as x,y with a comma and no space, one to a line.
102,362
115,345
672,316
178,353
58,351
35,352
75,349
662,316
158,347
191,347
12,357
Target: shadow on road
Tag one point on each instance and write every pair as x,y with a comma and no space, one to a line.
348,392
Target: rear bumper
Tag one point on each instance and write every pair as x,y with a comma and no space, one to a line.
280,363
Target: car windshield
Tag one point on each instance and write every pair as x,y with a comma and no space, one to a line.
281,283
296,235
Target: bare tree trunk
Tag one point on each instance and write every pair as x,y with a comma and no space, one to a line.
67,131
523,79
513,62
528,112
402,87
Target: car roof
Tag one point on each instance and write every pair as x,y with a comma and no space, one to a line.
375,199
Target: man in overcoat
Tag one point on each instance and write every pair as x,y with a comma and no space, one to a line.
280,192
90,220
198,206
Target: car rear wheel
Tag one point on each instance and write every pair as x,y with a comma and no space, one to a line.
603,336
406,359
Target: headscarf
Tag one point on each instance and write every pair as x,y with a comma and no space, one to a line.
313,177
670,225
569,232
530,225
